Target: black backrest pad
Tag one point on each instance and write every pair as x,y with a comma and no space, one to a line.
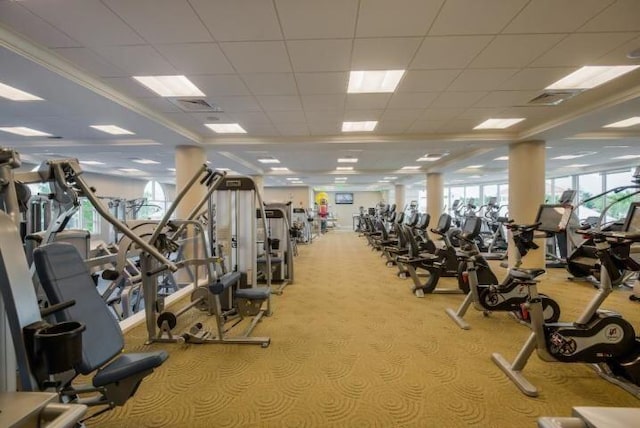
411,241
64,277
444,223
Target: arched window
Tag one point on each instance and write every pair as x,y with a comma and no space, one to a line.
156,203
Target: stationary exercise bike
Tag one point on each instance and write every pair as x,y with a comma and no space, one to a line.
508,296
600,337
446,256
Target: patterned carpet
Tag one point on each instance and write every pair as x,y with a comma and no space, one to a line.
352,347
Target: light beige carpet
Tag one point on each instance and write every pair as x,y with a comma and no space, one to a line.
352,347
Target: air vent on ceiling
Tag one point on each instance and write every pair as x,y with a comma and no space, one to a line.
191,105
552,98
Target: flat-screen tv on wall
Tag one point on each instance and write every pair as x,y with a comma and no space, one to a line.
344,198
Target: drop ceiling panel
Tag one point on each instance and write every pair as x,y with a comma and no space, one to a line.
22,20
323,102
280,103
322,83
440,115
361,115
161,21
481,79
581,49
621,16
457,99
89,61
401,115
336,115
320,55
270,83
251,118
427,80
461,16
196,58
285,117
618,56
221,85
555,16
257,57
292,129
324,128
383,54
424,127
237,104
264,130
136,60
89,22
417,100
515,50
450,52
239,20
506,98
367,101
480,114
535,78
378,18
311,19
393,126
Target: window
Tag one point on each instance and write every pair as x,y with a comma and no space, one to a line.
156,203
617,179
590,185
472,194
560,185
489,191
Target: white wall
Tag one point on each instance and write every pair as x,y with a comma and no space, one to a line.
344,213
299,195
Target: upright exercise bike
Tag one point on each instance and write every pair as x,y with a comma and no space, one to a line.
509,295
602,338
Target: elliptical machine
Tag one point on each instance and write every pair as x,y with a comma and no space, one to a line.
600,337
508,296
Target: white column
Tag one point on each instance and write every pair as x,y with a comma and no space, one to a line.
188,160
526,192
400,197
435,194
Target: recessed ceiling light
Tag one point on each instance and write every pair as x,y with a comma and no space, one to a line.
475,166
146,161
226,128
14,94
131,170
170,86
268,160
90,162
293,178
390,178
171,169
347,160
624,123
615,147
344,168
363,126
383,181
112,129
410,167
341,178
498,123
279,168
476,176
381,81
427,159
628,157
591,76
577,165
22,130
502,158
221,169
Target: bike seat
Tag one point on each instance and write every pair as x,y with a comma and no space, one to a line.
526,274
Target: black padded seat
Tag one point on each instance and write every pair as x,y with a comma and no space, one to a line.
259,293
526,274
128,365
64,277
224,282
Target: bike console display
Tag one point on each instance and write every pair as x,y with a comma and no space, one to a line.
553,218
